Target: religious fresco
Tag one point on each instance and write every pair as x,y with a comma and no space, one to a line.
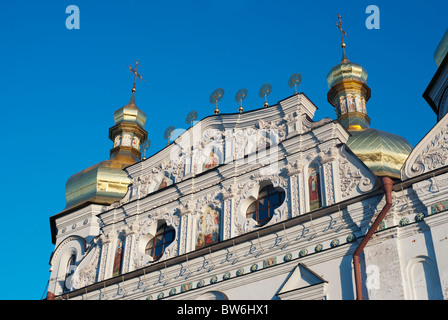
351,103
136,143
165,182
126,140
207,228
161,181
269,262
211,162
314,187
439,207
118,257
117,141
343,104
358,103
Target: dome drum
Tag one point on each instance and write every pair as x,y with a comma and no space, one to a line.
352,86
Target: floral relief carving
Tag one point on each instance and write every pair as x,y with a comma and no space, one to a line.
295,168
329,184
351,179
434,155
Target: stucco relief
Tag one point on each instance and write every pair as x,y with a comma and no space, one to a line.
430,154
352,179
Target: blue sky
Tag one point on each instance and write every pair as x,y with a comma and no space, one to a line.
60,87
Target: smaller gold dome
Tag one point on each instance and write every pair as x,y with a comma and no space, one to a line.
106,182
130,113
346,71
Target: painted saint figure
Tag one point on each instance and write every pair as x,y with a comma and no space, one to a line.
314,187
358,103
118,259
126,140
351,103
163,184
343,104
136,143
117,141
211,162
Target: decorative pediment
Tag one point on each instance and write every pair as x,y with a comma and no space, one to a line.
303,284
430,153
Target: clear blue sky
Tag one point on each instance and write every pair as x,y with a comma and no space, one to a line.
59,87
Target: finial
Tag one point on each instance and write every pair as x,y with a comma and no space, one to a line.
239,97
168,133
264,91
215,97
344,57
136,74
145,146
191,117
294,81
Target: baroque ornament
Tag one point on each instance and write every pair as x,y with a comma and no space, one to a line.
430,155
352,179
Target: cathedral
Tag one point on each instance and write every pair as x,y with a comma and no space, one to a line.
266,204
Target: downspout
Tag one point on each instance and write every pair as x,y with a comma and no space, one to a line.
387,185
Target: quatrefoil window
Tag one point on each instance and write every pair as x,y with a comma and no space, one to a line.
262,209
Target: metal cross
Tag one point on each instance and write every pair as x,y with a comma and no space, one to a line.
136,74
342,36
340,28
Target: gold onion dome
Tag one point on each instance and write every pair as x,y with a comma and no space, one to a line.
106,182
384,153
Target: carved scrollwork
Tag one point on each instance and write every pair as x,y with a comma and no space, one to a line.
295,168
431,153
352,179
434,155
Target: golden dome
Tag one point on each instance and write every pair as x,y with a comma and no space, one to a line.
102,183
384,153
345,71
130,113
106,182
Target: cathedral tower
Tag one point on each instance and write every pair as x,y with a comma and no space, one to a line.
106,182
384,153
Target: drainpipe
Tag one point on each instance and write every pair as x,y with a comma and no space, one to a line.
387,185
50,296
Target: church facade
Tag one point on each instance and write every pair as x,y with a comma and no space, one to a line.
265,204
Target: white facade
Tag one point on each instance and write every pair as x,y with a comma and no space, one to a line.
208,179
298,254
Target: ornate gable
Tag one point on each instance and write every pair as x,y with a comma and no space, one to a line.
430,153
